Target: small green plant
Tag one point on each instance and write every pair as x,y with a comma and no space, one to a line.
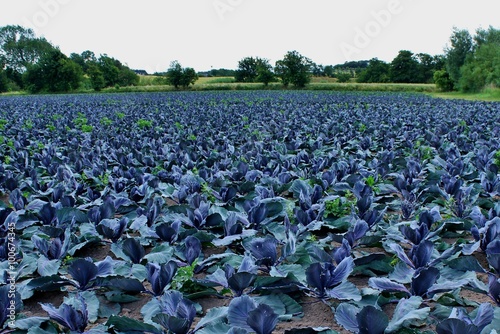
206,190
3,123
496,159
51,127
106,121
338,207
370,181
104,178
179,126
157,169
144,123
28,124
120,115
81,123
191,137
183,276
87,128
68,259
256,133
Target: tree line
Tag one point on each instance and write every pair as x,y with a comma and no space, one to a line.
31,63
469,64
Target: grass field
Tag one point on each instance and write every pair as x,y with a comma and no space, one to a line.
155,84
490,94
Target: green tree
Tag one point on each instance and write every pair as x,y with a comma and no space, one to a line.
20,48
96,77
329,71
189,77
4,81
178,76
481,69
294,69
343,76
404,68
443,81
85,59
426,67
376,71
256,69
54,72
109,69
461,47
247,70
490,36
127,77
264,71
317,70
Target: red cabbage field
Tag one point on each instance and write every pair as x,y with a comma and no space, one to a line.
249,212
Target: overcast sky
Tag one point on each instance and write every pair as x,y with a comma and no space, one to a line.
205,34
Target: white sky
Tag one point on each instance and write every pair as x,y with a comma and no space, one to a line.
204,34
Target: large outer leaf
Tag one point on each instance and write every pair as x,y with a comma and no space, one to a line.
48,267
262,319
401,254
344,291
385,284
214,316
240,281
176,325
485,314
421,253
150,309
264,250
238,310
345,314
456,326
128,325
123,284
300,186
218,328
282,304
372,321
217,278
465,263
192,250
344,268
424,280
407,311
48,283
83,272
133,249
402,273
68,316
